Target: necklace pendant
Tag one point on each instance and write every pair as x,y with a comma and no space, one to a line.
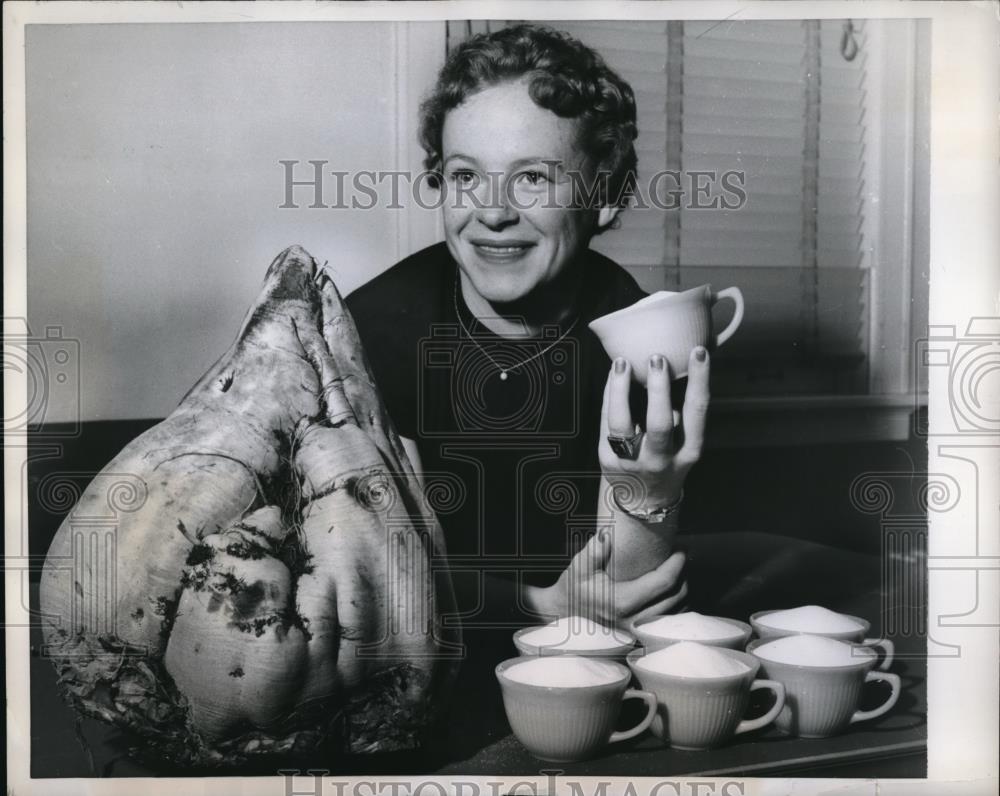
503,375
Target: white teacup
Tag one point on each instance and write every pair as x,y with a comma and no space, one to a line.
565,718
698,711
824,679
671,324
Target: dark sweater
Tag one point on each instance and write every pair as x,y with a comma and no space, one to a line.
510,465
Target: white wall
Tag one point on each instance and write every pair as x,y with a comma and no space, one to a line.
154,184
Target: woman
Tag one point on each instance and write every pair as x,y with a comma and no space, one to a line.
481,349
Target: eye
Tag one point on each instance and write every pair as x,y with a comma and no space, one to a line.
533,177
463,177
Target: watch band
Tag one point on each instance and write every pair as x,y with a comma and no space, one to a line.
650,515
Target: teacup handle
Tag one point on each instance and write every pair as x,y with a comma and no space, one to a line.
888,651
871,677
736,295
779,702
650,700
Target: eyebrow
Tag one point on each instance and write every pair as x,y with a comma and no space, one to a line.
515,164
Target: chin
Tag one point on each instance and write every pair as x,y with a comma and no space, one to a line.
501,289
501,284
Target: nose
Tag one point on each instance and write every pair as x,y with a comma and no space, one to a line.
498,212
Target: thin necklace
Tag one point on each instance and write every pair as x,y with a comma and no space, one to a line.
504,371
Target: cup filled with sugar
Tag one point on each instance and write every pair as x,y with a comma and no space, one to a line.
824,679
713,631
815,620
702,693
564,708
574,635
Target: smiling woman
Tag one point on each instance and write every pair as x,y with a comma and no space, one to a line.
481,348
512,224
519,122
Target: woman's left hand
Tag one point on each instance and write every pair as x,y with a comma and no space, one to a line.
655,477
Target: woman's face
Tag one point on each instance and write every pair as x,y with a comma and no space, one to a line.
508,215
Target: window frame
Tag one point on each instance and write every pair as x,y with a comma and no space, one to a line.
899,167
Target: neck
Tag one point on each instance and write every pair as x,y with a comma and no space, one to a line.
555,303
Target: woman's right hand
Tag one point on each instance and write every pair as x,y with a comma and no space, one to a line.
586,589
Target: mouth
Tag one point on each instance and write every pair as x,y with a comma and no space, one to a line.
501,250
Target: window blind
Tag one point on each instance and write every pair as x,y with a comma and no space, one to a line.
780,105
639,52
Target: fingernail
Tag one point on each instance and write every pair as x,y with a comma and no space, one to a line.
619,365
700,353
656,362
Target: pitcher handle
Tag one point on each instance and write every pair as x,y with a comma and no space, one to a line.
736,295
779,702
892,680
650,700
888,651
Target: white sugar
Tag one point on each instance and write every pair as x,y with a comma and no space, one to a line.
691,626
690,659
809,650
576,633
811,619
564,671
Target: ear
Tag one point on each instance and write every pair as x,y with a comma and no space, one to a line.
605,216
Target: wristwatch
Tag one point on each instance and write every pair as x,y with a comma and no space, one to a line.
650,515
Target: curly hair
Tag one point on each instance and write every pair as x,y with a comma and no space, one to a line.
564,76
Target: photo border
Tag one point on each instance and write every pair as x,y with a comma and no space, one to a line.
965,284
